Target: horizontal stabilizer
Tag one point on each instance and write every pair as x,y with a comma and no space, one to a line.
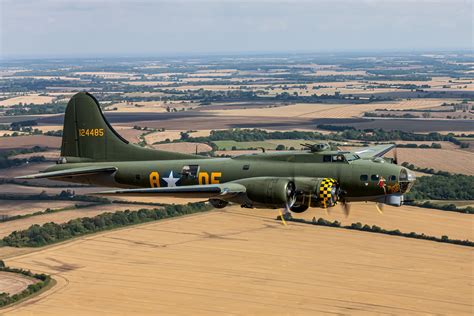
192,191
74,172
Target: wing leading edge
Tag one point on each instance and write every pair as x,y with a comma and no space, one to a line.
223,191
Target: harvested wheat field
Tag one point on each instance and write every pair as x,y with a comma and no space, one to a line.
13,283
184,147
435,158
52,155
27,99
173,135
49,128
245,262
462,161
22,207
64,216
405,218
8,143
162,136
319,110
129,133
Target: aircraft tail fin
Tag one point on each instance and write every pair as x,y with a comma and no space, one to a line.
87,136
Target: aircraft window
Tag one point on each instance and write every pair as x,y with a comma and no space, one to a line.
246,167
374,177
403,175
351,157
190,171
364,177
393,178
137,176
338,158
327,158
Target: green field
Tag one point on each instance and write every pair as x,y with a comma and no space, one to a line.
267,144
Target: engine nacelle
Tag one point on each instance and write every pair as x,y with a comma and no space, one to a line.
315,192
269,192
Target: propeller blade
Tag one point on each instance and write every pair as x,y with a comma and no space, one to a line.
346,207
395,156
282,218
379,207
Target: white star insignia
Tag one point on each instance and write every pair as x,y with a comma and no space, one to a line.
171,180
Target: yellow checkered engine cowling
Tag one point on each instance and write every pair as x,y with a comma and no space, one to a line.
317,192
328,195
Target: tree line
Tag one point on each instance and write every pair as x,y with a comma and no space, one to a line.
49,233
376,229
35,109
42,281
6,162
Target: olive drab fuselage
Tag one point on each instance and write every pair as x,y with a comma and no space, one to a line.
359,177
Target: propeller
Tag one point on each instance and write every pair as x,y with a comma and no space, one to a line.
291,198
379,207
395,156
346,207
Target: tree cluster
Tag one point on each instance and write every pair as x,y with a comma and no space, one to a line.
49,233
49,108
440,187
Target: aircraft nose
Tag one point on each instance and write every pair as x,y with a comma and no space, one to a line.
406,180
411,176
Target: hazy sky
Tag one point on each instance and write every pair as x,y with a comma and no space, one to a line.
53,28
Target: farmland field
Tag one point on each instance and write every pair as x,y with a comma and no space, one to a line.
13,283
61,217
237,260
268,144
244,260
451,160
14,207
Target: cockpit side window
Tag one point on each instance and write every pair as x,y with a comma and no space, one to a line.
190,171
364,177
374,177
334,158
338,158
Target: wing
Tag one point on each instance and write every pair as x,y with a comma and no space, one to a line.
73,172
373,151
207,191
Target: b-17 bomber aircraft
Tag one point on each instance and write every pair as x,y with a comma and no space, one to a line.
92,152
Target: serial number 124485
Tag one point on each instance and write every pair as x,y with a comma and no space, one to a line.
95,132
